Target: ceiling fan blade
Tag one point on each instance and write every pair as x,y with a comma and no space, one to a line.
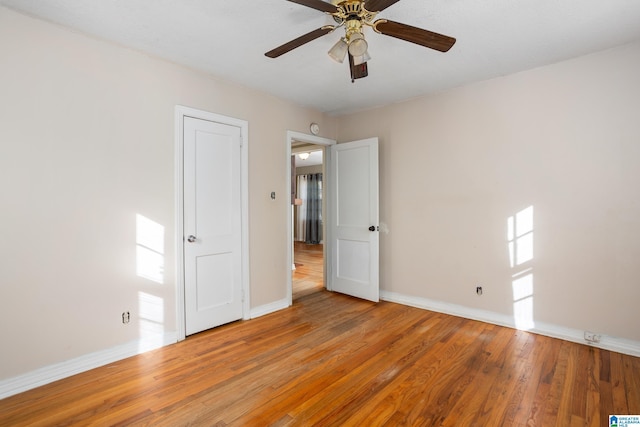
378,5
414,35
306,38
318,5
357,71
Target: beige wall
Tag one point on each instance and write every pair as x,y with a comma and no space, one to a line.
454,167
307,170
86,144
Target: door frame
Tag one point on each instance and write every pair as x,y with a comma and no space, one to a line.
181,112
317,140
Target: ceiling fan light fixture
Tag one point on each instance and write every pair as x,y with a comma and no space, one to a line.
339,51
357,45
355,16
357,60
303,156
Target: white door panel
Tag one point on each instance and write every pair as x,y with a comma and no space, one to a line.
354,210
212,224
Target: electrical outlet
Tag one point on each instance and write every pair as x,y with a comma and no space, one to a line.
479,290
126,317
591,337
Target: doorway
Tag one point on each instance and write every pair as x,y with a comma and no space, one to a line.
308,169
351,255
311,272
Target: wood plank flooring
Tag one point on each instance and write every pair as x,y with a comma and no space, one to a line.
308,275
332,360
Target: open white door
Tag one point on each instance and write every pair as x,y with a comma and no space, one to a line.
212,224
353,231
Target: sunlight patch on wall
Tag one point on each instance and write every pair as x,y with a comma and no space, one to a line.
522,285
520,237
149,249
520,244
151,312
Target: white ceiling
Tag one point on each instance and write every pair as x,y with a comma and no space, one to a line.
228,38
314,159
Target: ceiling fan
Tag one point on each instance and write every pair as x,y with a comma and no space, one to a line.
354,15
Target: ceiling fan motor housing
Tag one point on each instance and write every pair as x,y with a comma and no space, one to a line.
353,10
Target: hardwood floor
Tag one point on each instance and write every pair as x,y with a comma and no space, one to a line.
332,360
308,275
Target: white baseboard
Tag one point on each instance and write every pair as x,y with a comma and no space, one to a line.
48,374
269,308
58,371
619,345
51,373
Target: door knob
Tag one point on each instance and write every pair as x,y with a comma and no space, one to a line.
372,228
191,238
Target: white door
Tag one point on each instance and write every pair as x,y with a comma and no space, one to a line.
354,219
212,224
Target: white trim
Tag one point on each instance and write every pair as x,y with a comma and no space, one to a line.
180,113
179,224
272,307
310,139
619,345
55,372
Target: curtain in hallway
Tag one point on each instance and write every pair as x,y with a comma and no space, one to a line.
309,214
